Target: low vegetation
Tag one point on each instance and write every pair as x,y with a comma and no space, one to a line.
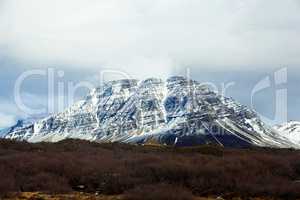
148,172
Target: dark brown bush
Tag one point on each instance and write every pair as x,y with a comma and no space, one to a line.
158,192
46,182
75,165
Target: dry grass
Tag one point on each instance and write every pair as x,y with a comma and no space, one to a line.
84,196
73,196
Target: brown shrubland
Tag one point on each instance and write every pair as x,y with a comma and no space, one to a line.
155,172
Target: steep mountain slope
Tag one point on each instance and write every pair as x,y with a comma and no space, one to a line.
21,123
290,130
175,112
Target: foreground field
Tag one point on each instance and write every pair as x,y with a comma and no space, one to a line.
74,196
117,171
79,196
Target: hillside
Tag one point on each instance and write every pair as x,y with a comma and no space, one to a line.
177,111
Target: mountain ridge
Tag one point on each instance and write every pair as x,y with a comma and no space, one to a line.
177,111
291,130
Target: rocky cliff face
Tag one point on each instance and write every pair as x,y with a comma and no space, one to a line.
174,112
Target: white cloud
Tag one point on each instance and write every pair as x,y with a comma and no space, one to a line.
152,38
6,120
31,105
11,111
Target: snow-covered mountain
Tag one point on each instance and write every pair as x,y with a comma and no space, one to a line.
21,123
174,112
291,130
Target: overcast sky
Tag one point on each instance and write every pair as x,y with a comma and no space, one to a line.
148,38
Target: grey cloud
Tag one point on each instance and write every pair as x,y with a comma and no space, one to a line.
146,38
154,35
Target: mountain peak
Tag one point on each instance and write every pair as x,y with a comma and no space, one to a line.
177,111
